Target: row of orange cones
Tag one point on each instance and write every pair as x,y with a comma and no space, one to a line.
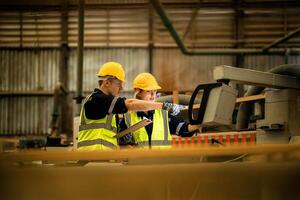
220,138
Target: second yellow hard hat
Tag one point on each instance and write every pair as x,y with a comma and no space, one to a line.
145,81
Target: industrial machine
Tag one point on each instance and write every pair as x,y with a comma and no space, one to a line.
273,112
267,171
217,104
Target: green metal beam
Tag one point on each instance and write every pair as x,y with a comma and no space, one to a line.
168,24
283,39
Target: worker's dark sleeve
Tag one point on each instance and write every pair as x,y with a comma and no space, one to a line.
179,127
126,139
122,125
98,104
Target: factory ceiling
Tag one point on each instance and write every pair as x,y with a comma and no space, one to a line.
134,23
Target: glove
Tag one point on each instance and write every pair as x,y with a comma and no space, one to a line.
173,109
126,139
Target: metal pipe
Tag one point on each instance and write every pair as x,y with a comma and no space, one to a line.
80,44
26,93
168,24
283,39
279,51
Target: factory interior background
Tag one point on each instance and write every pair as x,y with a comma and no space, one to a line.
50,53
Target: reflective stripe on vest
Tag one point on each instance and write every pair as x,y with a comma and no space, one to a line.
107,125
128,119
165,118
179,127
95,126
166,141
96,141
86,128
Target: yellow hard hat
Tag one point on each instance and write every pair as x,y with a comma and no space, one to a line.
112,69
145,81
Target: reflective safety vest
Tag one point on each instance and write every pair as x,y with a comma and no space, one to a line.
160,138
97,134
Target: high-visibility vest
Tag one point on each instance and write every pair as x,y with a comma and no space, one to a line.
160,138
97,134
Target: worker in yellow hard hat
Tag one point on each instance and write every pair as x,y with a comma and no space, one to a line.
98,117
157,134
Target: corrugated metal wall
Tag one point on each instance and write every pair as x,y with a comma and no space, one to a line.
37,70
263,63
118,27
36,29
32,71
263,26
211,27
28,70
134,60
25,115
294,60
24,72
176,71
